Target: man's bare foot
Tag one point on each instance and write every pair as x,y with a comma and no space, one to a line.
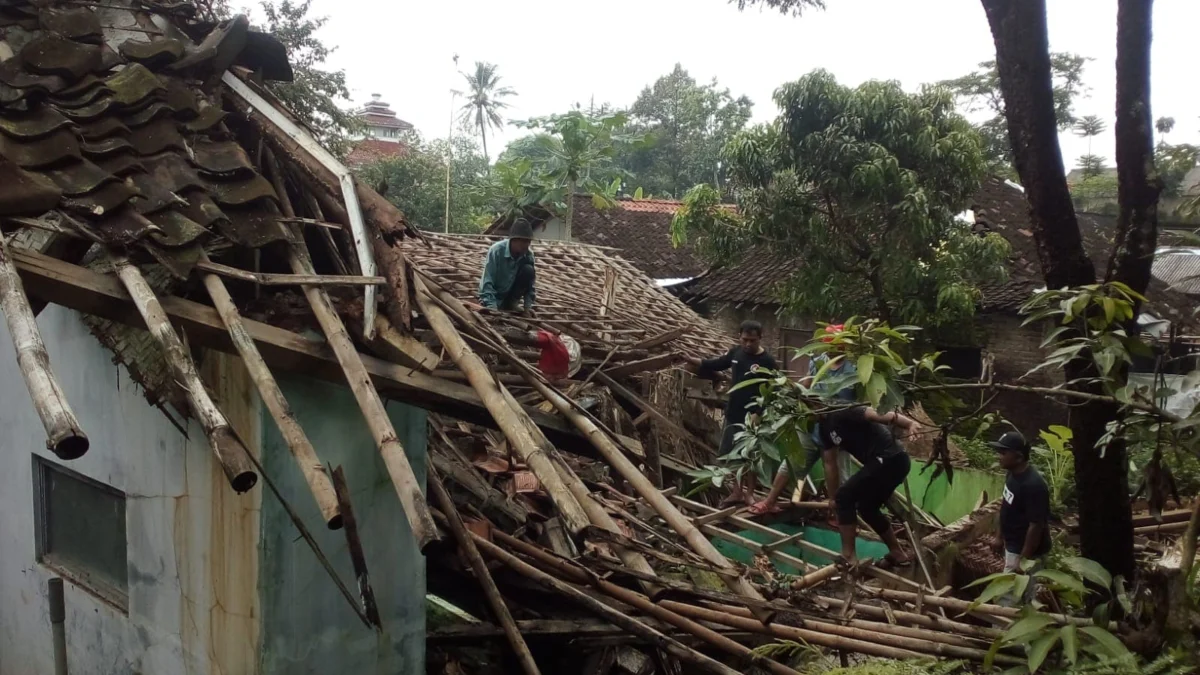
764,507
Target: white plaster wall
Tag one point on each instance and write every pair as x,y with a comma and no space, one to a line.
174,578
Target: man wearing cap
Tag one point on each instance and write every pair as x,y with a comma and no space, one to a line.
1025,511
508,275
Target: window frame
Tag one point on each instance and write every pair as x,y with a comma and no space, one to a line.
95,584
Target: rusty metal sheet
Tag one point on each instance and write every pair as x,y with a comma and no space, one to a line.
23,193
153,54
73,24
242,192
42,121
54,55
78,178
134,84
103,128
174,173
59,147
176,229
252,227
222,159
106,199
157,137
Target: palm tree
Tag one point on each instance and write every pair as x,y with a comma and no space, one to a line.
484,103
1089,127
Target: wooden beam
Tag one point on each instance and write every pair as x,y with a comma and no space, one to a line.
357,558
400,347
661,339
654,363
83,290
263,279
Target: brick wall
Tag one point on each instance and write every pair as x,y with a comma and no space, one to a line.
1017,350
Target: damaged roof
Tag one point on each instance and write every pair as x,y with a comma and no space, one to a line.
571,287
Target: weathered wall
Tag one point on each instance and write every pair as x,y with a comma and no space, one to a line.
188,610
1018,350
307,625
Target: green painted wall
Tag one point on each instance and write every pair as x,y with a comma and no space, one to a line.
307,626
816,535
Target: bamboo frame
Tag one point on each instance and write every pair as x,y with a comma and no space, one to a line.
224,443
64,435
293,434
507,416
466,545
404,480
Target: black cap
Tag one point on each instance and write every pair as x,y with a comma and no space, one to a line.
521,229
1011,441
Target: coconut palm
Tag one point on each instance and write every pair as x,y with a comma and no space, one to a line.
484,100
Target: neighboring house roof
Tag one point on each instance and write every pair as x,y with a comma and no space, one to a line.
1180,269
571,288
640,228
378,113
998,206
370,150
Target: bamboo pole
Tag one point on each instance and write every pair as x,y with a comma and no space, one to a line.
268,389
64,436
467,545
408,488
965,606
225,445
507,417
570,572
358,559
646,489
820,576
935,622
947,646
610,614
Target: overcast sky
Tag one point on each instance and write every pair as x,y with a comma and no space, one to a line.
556,53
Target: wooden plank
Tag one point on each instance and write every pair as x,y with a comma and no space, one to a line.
400,347
83,290
263,279
661,339
652,364
354,544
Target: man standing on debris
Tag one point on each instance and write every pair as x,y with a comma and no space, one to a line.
508,275
1025,512
745,359
868,437
783,477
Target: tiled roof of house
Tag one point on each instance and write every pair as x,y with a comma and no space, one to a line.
1180,270
370,150
640,228
998,207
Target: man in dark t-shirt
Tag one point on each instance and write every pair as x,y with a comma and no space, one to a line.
1025,510
868,436
745,360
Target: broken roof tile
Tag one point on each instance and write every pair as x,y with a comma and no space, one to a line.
134,84
177,229
153,54
23,193
222,159
243,192
158,136
38,123
252,227
55,149
73,24
79,178
56,55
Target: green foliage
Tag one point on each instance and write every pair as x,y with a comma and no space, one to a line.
416,183
1091,165
790,651
314,93
689,123
863,184
1055,461
1096,194
485,100
1172,163
1046,641
888,667
979,454
980,91
1089,126
793,7
514,187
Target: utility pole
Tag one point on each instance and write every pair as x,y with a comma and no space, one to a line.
450,150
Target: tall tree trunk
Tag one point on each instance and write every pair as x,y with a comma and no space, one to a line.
1023,63
1138,185
483,137
572,185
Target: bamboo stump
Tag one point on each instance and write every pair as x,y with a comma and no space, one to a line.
64,437
224,443
272,397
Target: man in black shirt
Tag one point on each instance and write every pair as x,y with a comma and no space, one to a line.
868,437
1025,511
745,360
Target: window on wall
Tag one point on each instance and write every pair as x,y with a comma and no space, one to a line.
80,530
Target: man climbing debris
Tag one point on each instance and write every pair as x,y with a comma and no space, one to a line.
745,359
508,273
868,437
1025,512
840,365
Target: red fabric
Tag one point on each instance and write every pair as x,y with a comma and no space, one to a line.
556,360
831,329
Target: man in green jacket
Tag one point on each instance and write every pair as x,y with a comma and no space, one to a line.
508,273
